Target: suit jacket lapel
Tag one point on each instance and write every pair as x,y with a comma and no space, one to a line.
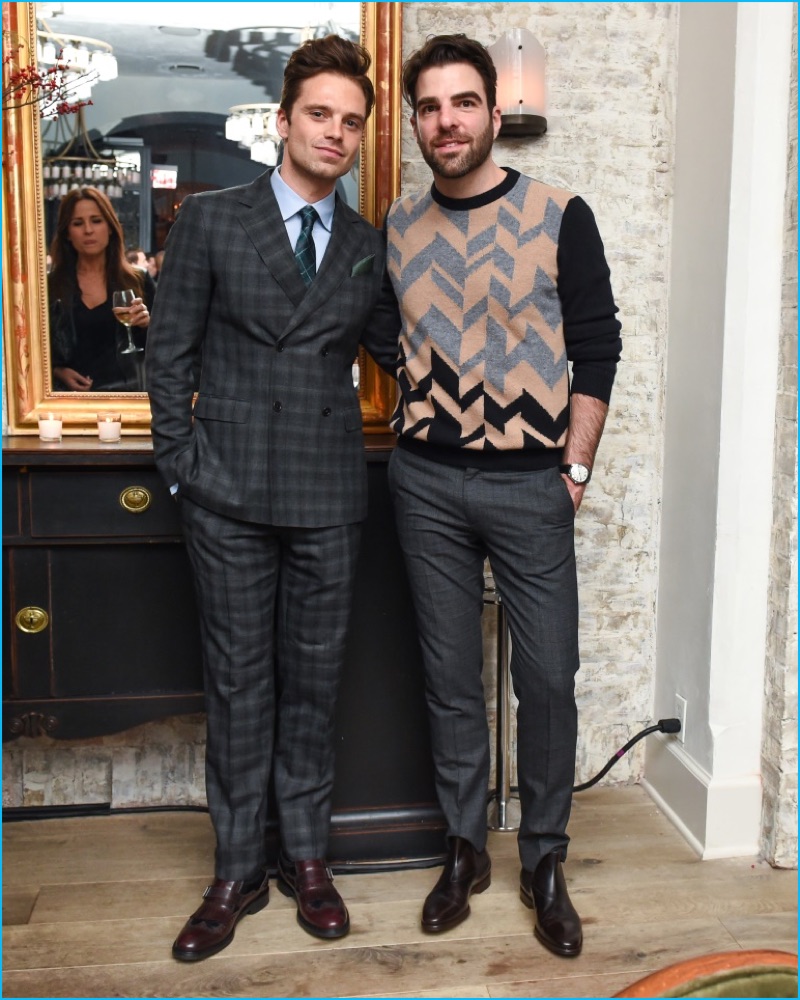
262,220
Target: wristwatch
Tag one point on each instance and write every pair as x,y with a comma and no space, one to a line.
578,473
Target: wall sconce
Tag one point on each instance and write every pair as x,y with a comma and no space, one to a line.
519,59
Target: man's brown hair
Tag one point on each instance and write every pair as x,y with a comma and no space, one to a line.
331,54
442,50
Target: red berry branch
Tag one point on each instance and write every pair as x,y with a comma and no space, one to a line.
26,85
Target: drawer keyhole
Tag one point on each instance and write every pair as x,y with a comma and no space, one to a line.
32,620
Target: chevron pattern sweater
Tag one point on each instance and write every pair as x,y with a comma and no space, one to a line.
498,293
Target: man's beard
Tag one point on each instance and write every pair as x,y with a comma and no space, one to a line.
476,154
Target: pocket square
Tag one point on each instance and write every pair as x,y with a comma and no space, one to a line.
363,266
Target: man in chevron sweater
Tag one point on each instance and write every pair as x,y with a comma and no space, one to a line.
502,283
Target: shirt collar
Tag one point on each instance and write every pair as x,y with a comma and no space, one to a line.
290,202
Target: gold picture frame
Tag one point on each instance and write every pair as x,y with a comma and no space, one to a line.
25,321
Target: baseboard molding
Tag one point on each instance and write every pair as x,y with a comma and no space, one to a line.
19,814
719,818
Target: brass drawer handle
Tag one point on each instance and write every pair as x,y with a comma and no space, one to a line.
32,619
135,499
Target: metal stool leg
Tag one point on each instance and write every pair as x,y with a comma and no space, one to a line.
501,797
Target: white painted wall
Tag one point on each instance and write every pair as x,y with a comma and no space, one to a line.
716,656
702,177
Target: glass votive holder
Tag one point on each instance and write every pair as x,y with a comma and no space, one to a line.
49,426
109,426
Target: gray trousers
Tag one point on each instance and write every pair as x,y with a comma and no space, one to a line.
274,612
449,520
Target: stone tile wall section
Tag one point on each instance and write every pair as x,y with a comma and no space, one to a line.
779,759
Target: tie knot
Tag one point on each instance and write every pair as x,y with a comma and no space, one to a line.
308,216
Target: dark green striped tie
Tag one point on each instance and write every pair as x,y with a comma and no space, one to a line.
304,252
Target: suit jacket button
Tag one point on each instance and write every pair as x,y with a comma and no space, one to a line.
279,348
277,406
324,352
326,412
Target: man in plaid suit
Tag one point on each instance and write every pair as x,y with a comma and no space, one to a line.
270,301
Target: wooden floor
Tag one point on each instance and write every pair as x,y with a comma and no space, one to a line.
91,907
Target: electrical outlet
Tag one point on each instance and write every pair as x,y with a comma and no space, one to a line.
680,713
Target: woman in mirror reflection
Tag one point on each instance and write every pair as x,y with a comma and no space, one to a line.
88,264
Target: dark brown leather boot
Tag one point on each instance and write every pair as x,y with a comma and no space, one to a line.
465,871
558,926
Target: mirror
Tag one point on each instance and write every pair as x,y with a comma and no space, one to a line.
147,160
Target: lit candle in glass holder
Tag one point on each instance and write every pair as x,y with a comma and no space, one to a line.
49,426
109,427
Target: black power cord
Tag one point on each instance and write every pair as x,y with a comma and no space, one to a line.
662,726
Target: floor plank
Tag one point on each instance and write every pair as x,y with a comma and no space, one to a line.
344,970
18,905
765,930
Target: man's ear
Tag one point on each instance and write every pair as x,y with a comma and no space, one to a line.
497,120
413,120
282,124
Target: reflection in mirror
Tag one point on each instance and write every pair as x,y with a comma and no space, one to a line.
182,98
129,129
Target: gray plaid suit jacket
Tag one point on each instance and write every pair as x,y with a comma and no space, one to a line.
275,436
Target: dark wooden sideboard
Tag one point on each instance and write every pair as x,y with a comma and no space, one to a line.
101,632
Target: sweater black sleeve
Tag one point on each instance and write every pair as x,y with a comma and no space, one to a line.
382,333
591,329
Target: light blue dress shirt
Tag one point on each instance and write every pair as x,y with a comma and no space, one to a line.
290,203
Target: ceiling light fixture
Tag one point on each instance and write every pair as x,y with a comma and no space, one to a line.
87,60
253,127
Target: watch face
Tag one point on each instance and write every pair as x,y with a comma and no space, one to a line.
578,473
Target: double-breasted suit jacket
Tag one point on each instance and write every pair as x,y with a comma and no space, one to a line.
275,436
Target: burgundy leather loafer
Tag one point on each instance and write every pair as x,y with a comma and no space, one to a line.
558,926
320,908
211,927
465,871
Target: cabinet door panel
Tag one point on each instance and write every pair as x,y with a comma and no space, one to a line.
125,621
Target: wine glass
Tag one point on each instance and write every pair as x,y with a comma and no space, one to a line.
121,304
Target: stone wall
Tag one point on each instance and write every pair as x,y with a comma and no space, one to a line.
779,760
158,764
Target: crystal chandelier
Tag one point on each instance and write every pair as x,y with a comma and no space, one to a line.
253,127
87,60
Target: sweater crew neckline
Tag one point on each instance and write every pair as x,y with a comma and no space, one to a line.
477,200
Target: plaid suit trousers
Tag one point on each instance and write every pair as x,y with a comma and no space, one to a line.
274,611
